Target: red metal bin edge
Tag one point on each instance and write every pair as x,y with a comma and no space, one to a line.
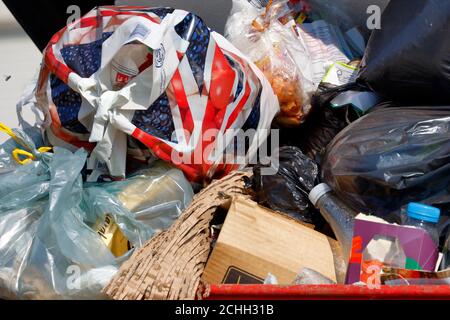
324,292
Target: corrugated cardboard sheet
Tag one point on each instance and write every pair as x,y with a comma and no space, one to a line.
169,266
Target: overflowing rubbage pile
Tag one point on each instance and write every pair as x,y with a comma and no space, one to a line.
168,154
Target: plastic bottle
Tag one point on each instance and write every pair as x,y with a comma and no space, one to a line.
337,214
425,217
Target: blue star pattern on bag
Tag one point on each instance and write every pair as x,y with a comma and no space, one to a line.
156,120
240,85
160,12
84,59
253,119
198,45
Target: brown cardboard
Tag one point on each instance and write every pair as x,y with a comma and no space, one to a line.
170,265
255,241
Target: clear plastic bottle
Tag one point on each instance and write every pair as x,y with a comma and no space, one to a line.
425,217
340,217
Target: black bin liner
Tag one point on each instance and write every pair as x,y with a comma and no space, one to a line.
391,157
408,59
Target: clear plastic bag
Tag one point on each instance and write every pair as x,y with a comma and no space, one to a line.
294,56
7,163
29,139
277,52
156,196
309,276
60,240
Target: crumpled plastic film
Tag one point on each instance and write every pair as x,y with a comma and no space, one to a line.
60,239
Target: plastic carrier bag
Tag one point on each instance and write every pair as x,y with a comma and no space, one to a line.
59,240
29,139
156,196
294,54
391,157
153,79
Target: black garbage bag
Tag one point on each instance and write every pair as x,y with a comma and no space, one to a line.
287,191
391,157
323,124
408,59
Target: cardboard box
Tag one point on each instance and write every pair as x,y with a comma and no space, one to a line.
255,241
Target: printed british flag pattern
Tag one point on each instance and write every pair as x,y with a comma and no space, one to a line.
157,75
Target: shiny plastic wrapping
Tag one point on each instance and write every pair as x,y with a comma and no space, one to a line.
30,139
407,59
294,55
277,52
391,157
310,276
60,240
7,163
287,190
156,196
341,219
446,259
348,13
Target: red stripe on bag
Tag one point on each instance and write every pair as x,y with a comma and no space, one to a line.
240,106
246,94
110,13
209,122
89,22
55,38
176,90
55,66
164,152
222,80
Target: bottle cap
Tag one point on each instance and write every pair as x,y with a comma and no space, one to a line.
423,212
317,192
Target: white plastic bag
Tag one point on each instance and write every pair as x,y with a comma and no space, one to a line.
158,76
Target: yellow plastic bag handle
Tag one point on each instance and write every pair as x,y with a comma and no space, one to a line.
28,155
4,128
20,152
